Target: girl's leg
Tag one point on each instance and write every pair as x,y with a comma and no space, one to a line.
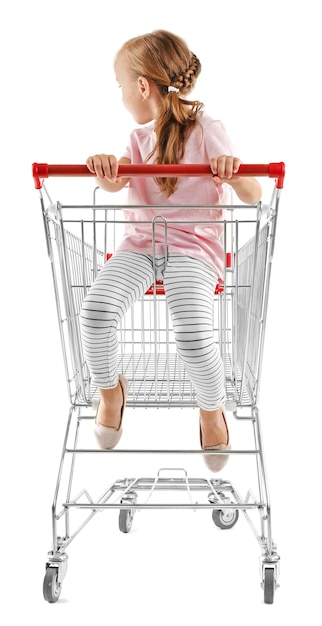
189,285
123,280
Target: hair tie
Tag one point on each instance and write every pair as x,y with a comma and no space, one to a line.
170,88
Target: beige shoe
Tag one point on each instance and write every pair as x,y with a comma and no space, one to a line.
106,436
215,462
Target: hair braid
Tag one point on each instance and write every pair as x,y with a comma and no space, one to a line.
186,80
165,60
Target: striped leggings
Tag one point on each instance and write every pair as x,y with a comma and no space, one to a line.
189,288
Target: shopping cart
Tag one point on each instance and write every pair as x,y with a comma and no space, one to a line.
80,238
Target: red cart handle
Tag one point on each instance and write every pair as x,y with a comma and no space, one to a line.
272,170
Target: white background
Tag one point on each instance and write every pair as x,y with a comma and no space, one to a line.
59,104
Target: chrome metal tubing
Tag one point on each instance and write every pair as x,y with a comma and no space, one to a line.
177,506
79,240
263,482
160,451
60,472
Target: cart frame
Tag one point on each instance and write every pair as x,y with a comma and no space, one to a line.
79,240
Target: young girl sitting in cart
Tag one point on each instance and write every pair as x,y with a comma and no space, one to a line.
156,72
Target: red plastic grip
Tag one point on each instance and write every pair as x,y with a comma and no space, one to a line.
272,170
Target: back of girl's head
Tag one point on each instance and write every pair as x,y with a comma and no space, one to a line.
165,60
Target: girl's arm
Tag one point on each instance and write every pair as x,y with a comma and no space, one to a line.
247,188
105,166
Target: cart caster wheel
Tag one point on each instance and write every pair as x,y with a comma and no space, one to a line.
225,519
51,586
125,520
269,585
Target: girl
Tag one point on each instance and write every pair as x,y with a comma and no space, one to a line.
156,71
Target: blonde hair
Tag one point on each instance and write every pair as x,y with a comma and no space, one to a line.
165,60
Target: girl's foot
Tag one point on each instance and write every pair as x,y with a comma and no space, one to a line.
214,435
110,407
213,428
108,423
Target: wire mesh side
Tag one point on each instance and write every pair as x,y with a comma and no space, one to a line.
147,351
73,261
251,291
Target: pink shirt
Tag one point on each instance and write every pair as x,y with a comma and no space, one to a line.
201,241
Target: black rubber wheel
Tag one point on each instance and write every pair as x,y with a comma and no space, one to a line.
125,520
225,519
51,586
269,585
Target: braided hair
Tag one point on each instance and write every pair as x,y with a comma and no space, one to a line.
166,61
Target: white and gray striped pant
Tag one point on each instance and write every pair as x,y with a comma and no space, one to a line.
189,288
